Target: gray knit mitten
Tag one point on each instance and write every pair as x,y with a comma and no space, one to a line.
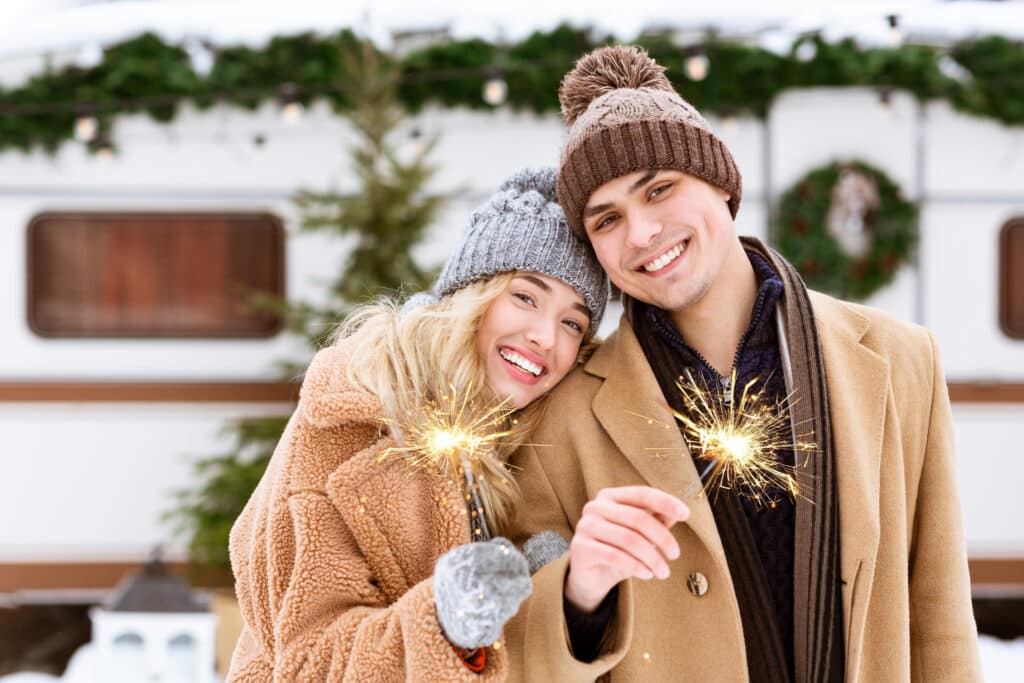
477,588
543,547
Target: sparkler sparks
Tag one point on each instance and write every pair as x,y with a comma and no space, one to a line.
452,437
741,439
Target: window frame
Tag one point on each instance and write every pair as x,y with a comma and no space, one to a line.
40,220
1014,224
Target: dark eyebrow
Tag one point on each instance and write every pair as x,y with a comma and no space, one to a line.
537,281
594,210
547,288
643,181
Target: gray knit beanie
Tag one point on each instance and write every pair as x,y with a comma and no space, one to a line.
522,227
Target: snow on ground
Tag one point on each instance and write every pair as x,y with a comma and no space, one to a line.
1002,662
28,677
82,669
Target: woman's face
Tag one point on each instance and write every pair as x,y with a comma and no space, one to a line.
530,336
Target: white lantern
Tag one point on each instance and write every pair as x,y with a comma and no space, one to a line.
153,630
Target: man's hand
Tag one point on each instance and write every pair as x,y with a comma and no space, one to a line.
623,532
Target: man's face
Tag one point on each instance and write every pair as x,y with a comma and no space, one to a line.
662,235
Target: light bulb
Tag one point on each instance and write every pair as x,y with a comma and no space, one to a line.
291,112
697,67
86,128
495,91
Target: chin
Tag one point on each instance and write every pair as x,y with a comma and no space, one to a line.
510,396
519,401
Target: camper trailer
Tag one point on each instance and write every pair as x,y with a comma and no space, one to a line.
124,355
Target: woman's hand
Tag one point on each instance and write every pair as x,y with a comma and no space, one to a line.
477,588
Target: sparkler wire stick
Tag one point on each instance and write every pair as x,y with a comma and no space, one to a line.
478,529
699,484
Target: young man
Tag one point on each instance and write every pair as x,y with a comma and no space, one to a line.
864,576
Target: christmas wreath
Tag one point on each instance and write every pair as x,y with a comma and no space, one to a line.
847,228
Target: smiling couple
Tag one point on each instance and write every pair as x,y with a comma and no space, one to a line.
350,566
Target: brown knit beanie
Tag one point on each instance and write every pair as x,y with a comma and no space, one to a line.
624,116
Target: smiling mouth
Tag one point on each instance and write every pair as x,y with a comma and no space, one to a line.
665,259
521,362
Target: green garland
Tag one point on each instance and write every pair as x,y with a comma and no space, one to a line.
800,233
147,75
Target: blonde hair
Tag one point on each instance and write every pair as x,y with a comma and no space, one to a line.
406,359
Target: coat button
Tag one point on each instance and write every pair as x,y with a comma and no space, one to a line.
697,583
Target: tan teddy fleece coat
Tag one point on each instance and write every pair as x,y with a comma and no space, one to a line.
334,552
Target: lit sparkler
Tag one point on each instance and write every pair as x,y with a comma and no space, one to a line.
740,439
451,438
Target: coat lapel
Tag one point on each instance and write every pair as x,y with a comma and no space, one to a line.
858,383
631,408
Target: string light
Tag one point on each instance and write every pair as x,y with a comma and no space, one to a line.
697,66
86,128
495,91
895,34
416,146
291,109
730,126
885,98
104,149
292,112
259,144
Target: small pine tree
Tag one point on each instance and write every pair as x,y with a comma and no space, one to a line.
389,214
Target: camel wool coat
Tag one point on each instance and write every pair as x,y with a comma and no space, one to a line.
905,594
334,552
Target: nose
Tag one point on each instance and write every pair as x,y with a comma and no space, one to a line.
643,229
543,332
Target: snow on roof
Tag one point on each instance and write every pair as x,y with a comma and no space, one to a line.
35,27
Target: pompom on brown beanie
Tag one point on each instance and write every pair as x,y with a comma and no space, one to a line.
624,116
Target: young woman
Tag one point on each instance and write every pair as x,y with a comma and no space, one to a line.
352,565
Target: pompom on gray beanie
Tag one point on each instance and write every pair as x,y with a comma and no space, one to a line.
522,227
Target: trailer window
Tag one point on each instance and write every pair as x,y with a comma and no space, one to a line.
153,274
1011,278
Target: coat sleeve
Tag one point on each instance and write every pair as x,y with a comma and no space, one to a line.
944,639
538,636
331,622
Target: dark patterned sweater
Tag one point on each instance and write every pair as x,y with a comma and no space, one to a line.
757,358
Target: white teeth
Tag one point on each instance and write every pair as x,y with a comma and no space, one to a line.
666,258
516,359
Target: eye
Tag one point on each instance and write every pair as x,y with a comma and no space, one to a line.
574,325
525,298
658,191
604,222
